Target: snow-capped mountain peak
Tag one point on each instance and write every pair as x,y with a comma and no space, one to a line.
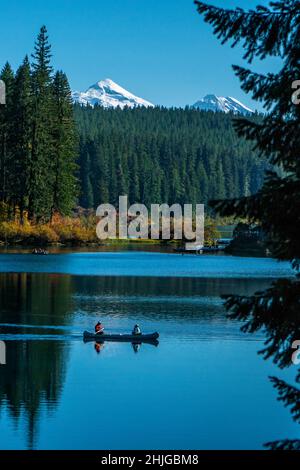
109,94
224,104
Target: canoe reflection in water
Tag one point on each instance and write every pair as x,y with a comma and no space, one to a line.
99,346
136,347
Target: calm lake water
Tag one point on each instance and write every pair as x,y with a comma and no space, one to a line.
203,386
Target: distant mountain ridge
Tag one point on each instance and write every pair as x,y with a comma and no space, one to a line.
109,94
222,104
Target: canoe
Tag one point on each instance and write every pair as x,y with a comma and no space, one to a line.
150,338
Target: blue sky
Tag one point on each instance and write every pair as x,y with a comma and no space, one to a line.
160,50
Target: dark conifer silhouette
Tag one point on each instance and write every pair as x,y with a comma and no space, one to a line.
264,32
37,139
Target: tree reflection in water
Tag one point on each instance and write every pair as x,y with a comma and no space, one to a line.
29,382
35,376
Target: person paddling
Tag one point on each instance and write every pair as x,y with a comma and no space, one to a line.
99,328
136,330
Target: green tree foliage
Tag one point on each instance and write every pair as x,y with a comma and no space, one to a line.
6,128
21,142
264,32
64,186
163,156
37,138
41,176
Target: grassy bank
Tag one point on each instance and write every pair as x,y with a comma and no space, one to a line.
74,231
68,231
62,230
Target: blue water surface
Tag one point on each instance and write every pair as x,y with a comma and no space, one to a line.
202,387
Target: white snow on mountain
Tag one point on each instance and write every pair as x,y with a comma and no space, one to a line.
220,103
109,94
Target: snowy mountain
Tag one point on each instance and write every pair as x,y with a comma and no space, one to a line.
109,94
220,103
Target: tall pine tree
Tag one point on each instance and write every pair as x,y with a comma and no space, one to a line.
41,172
64,185
21,142
37,139
6,127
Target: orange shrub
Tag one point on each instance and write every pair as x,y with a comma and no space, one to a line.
61,229
45,234
8,230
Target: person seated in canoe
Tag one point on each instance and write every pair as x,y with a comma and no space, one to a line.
136,330
99,328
